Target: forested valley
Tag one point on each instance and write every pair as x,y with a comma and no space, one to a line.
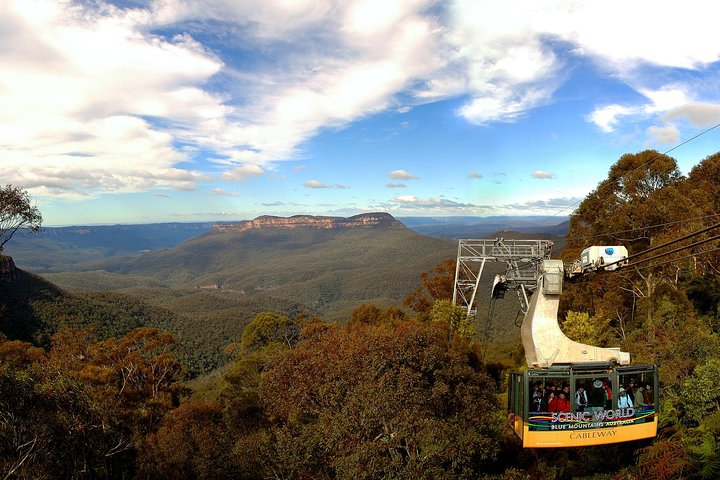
398,392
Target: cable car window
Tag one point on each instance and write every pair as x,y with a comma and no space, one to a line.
549,394
639,388
599,393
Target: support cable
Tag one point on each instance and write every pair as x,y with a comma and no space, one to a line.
680,249
696,254
652,249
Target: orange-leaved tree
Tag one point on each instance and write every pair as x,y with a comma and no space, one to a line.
436,284
390,400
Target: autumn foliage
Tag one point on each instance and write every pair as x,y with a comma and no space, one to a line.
403,398
436,284
390,393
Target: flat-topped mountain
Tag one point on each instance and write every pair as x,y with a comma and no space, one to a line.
325,270
365,220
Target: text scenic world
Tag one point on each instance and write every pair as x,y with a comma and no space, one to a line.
600,416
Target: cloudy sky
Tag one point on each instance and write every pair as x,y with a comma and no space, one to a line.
138,111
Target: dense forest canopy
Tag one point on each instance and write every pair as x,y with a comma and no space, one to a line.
389,393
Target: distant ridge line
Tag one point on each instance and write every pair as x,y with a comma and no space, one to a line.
364,220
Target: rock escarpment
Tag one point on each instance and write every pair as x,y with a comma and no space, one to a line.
365,220
8,271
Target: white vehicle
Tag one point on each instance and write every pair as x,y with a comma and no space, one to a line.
593,258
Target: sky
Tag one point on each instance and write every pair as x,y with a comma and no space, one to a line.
143,111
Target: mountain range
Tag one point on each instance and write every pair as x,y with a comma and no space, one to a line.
217,277
60,249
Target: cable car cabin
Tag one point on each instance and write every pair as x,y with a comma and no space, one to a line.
606,405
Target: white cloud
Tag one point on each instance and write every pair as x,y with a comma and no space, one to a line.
664,99
411,201
607,117
402,175
314,184
395,185
551,206
94,100
357,68
317,184
668,134
219,192
670,102
697,113
242,172
76,89
411,205
475,175
539,174
511,65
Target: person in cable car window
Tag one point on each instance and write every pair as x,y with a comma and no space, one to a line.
566,391
639,397
538,396
549,395
624,400
562,403
597,397
551,404
581,400
533,390
608,395
649,395
630,391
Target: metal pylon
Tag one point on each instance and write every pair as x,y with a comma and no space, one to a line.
522,258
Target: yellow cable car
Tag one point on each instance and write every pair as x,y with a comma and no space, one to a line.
605,404
573,394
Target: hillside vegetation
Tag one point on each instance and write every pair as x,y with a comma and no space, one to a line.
214,284
57,249
390,392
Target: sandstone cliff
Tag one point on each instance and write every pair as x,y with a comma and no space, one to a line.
8,271
365,220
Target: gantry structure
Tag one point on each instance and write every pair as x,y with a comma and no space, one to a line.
538,281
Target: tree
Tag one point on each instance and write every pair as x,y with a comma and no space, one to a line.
643,194
639,194
577,325
393,400
268,328
705,397
455,316
49,424
131,383
16,212
373,315
437,284
191,442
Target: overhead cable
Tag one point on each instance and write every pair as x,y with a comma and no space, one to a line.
666,244
696,254
665,254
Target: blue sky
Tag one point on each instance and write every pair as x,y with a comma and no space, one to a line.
167,110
